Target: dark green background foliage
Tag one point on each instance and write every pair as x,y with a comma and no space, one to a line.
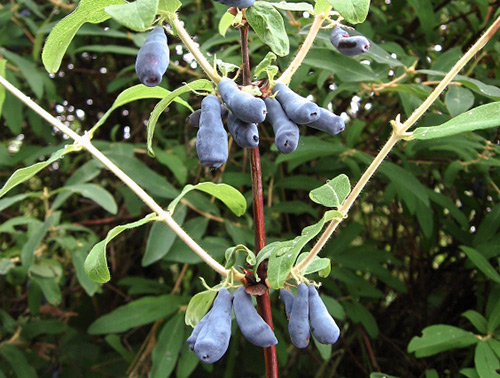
420,248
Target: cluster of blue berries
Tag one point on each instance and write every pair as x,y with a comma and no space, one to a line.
307,313
210,337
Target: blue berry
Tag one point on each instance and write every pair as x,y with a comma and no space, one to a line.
242,104
286,132
323,327
298,325
299,109
153,57
328,122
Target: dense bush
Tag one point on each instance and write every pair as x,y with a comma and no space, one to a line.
412,276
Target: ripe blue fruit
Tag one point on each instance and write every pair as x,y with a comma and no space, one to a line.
237,3
194,118
287,299
299,109
152,58
328,122
337,34
211,139
213,340
286,133
242,104
191,340
252,326
245,134
298,325
354,45
323,327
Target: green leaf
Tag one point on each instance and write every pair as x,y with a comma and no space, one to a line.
265,63
426,15
225,23
439,338
489,226
481,263
345,68
78,257
137,313
161,237
323,265
269,26
5,265
354,11
477,320
168,6
96,265
469,372
494,319
115,342
95,193
137,92
137,16
333,193
3,62
231,197
168,347
285,253
232,253
36,238
197,85
325,350
360,314
60,37
198,306
18,361
24,174
485,361
458,100
9,201
481,117
50,289
33,76
295,7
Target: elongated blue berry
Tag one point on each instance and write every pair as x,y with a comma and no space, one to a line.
213,340
286,132
153,58
287,299
328,122
323,327
354,45
245,134
237,3
242,104
298,325
191,340
251,324
337,34
299,109
211,139
194,118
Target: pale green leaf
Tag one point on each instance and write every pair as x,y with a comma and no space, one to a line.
168,347
95,193
333,193
231,197
198,306
485,361
168,6
481,117
225,23
24,174
32,75
138,15
481,263
197,85
354,11
268,24
60,37
96,265
458,100
439,338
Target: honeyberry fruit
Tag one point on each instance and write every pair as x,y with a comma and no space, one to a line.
242,104
354,45
251,324
194,118
237,3
191,340
299,109
213,340
287,299
337,34
211,139
328,122
153,57
298,325
286,133
323,327
245,134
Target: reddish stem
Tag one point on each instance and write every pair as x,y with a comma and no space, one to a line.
263,301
